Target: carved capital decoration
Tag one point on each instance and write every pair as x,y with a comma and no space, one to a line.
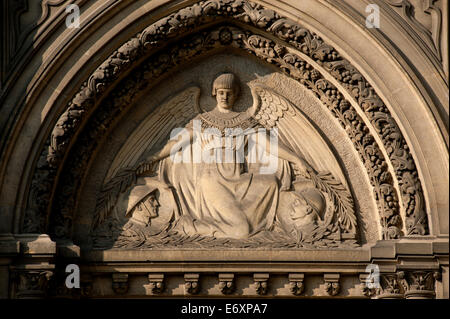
191,284
289,35
86,285
419,284
226,283
120,283
332,285
156,282
296,284
261,281
390,287
365,288
31,284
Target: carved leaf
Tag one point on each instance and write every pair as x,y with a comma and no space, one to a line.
341,198
110,194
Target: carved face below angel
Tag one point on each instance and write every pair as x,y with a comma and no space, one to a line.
307,209
145,210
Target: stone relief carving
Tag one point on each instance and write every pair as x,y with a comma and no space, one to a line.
261,282
191,283
368,285
230,192
390,285
310,45
99,125
408,284
332,284
227,283
156,283
32,283
297,287
418,283
120,283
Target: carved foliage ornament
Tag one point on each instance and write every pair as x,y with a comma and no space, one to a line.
409,284
32,283
418,280
296,284
288,31
243,40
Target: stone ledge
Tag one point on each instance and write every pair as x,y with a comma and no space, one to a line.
418,246
228,255
36,244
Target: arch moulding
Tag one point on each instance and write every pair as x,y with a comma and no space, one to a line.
391,144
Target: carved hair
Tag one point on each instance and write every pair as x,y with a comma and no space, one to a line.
226,81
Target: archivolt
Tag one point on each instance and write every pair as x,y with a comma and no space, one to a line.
293,47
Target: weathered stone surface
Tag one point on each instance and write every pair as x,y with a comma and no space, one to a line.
354,204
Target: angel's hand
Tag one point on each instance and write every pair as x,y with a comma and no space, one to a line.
146,166
301,167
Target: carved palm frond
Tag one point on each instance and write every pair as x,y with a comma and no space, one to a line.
152,133
341,198
110,194
120,183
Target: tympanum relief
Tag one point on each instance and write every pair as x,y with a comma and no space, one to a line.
228,178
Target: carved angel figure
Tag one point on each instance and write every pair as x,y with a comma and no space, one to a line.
235,174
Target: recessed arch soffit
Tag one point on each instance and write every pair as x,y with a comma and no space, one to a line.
266,35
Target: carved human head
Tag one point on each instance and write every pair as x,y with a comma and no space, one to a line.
145,210
226,90
154,204
307,207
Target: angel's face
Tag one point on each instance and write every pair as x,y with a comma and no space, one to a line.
225,98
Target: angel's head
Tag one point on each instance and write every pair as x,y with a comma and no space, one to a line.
226,90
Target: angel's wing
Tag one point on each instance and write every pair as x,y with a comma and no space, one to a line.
295,130
298,134
155,130
150,136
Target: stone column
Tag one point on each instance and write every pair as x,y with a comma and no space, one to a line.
390,287
34,267
9,249
419,284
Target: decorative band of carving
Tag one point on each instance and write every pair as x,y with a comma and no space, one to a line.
264,49
417,284
289,32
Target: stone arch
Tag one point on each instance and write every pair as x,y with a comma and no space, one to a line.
348,80
401,61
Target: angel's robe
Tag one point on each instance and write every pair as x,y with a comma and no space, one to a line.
225,198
